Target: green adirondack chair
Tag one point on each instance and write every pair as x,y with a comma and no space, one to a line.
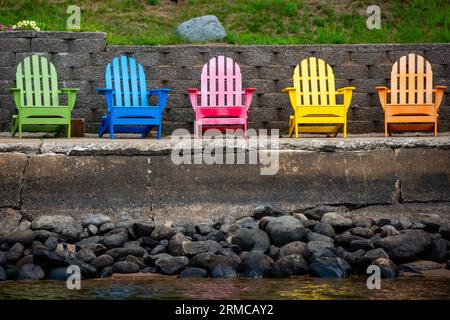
37,98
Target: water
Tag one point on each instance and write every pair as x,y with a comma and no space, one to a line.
170,288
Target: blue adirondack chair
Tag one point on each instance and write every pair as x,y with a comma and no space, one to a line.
127,99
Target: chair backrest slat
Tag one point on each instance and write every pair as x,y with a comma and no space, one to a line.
411,81
221,83
314,81
127,79
37,78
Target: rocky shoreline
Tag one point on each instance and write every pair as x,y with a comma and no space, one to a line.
321,242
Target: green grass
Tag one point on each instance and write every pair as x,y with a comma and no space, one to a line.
246,21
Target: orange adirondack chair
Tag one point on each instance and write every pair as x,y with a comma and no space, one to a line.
411,106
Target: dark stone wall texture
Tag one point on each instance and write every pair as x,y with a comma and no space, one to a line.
80,60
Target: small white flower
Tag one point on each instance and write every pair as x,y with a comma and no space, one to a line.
14,27
37,29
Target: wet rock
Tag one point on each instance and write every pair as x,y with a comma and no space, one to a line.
2,258
285,229
163,232
419,266
93,239
143,229
194,248
290,265
267,210
316,249
345,239
132,244
318,212
2,274
338,222
149,242
85,255
56,223
330,267
243,238
444,230
136,260
432,223
175,244
438,251
92,229
264,221
159,249
380,222
216,235
96,248
106,272
361,244
325,229
15,253
30,272
389,231
59,274
255,264
149,270
408,245
24,260
209,260
362,232
51,243
300,216
106,227
48,259
96,220
248,222
296,247
171,265
102,261
193,272
274,252
351,257
25,237
388,269
223,272
114,241
261,239
203,228
313,236
185,227
125,267
118,253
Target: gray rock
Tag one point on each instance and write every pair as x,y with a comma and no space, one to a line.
261,239
274,252
243,238
185,227
438,251
25,237
365,245
2,258
175,245
48,259
248,222
115,241
401,222
96,248
285,229
215,235
106,272
264,221
419,266
338,222
316,249
374,254
102,261
92,229
209,260
163,232
300,216
56,223
296,247
118,253
85,255
143,229
201,29
193,272
432,222
325,229
267,210
223,272
362,232
23,225
409,245
106,227
96,220
330,267
15,253
93,239
351,257
172,265
288,266
255,264
203,228
313,236
389,231
344,239
24,260
444,230
30,272
158,249
132,244
318,212
59,274
3,276
194,248
51,243
125,267
388,269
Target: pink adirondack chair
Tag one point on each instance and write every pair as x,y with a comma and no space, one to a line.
221,93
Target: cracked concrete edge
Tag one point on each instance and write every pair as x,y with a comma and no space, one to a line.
135,147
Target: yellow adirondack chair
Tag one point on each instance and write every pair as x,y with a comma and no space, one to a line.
411,106
313,99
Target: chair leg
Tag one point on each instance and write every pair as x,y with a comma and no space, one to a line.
111,131
245,131
159,132
385,129
435,129
20,129
345,129
296,129
68,130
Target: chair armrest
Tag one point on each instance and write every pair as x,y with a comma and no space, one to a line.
162,94
193,95
64,90
382,95
343,90
439,92
104,90
17,92
287,90
347,92
152,92
292,96
71,96
248,95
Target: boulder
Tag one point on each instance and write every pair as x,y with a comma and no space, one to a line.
215,235
59,274
105,260
243,238
159,249
325,229
193,248
106,272
96,248
344,239
85,255
267,210
316,249
444,230
330,267
92,229
296,247
291,265
389,231
438,251
314,236
175,244
318,212
387,268
364,244
30,272
115,240
285,229
261,239
248,222
208,260
51,243
143,229
96,220
201,29
2,274
409,245
362,232
118,253
25,237
56,223
2,258
419,266
337,221
255,264
48,259
163,232
106,227
15,253
223,272
125,267
171,265
203,228
193,272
